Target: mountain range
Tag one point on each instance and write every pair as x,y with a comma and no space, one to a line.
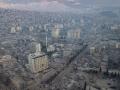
58,5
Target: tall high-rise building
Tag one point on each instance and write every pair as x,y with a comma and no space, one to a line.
73,34
55,33
56,30
38,47
38,62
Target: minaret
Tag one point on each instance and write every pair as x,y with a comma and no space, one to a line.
46,38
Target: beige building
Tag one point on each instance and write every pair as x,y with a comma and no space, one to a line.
7,61
56,30
38,62
73,34
55,33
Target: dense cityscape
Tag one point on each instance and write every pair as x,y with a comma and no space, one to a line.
60,51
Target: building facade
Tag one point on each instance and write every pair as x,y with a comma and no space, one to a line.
73,34
38,62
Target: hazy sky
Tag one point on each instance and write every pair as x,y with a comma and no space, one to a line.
57,5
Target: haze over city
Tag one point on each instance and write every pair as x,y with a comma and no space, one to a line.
59,44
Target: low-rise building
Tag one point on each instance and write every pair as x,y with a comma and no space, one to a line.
117,45
31,28
7,61
104,63
51,48
13,30
92,50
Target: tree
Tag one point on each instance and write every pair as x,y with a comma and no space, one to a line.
100,70
85,85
